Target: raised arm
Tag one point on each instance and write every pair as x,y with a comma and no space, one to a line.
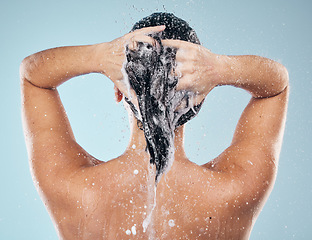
258,136
267,81
251,159
250,163
50,142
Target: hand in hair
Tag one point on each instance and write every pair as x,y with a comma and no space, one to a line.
113,53
197,67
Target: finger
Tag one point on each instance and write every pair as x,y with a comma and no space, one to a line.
184,49
132,45
174,43
143,38
149,30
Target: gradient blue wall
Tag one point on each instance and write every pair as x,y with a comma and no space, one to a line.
276,29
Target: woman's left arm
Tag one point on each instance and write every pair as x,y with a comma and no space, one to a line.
49,137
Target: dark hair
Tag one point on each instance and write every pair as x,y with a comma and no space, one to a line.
149,70
176,28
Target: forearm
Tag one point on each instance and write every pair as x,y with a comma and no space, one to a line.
50,68
260,76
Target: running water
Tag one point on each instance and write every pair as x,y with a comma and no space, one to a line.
151,201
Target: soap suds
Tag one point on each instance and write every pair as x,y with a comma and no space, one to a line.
150,71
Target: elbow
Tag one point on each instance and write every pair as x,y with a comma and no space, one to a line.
30,68
25,69
284,77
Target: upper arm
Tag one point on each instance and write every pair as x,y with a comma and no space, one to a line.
251,160
261,125
51,145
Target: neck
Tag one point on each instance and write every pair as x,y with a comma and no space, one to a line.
137,143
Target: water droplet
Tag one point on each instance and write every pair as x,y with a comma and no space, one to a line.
171,223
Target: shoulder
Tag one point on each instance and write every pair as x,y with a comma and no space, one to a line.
246,173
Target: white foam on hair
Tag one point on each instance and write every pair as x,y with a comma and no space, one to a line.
163,120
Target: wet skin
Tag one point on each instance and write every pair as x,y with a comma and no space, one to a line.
92,199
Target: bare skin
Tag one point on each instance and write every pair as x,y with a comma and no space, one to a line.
92,199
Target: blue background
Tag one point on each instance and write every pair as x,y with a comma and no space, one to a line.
276,29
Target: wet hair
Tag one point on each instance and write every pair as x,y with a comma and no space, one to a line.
150,71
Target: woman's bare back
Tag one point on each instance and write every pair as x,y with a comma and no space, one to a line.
116,200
